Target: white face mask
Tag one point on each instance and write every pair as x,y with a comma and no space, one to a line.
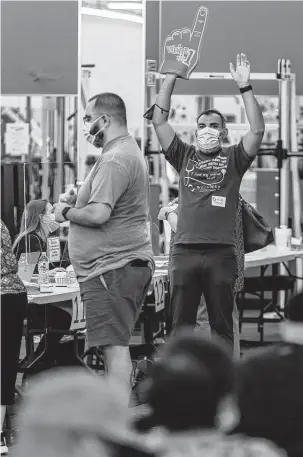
209,140
87,129
50,222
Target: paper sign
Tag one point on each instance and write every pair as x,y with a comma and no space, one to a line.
181,49
17,138
151,65
159,291
151,79
53,249
78,316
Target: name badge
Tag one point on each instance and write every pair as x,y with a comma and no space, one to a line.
218,201
54,249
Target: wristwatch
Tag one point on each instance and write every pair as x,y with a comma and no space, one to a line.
65,211
245,89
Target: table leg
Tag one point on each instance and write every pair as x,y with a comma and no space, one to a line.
45,330
261,316
275,272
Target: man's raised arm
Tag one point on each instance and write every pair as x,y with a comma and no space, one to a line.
253,138
164,131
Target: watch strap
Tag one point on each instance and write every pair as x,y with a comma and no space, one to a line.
65,211
245,89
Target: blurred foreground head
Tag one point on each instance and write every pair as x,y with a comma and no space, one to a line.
270,387
291,330
192,386
71,413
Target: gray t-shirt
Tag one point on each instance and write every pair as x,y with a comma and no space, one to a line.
120,179
208,191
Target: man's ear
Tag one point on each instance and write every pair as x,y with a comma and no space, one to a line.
228,414
105,118
224,133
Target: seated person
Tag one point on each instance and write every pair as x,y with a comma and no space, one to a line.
191,394
37,225
270,387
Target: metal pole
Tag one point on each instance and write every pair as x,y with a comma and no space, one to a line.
75,159
59,185
227,76
45,150
284,135
284,111
296,191
29,157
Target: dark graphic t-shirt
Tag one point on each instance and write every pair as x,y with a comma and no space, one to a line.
208,192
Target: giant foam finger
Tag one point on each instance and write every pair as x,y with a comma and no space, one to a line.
199,24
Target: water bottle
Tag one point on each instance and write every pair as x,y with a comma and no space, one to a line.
43,270
71,277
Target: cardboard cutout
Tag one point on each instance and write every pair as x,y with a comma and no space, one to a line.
181,48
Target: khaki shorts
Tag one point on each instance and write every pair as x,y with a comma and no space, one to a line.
113,302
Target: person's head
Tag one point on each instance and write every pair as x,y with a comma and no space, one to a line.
104,119
191,386
211,131
270,395
73,413
38,216
291,330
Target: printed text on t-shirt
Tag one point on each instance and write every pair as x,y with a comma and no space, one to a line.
205,175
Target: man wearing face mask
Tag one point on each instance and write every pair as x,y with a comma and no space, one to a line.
204,258
109,241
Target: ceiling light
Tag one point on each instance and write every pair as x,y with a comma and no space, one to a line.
111,15
124,6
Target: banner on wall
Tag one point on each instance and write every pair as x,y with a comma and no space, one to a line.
17,139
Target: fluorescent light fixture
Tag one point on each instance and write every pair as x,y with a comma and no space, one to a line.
111,15
124,6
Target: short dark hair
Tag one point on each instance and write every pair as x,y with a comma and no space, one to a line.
295,308
213,111
111,104
188,382
270,395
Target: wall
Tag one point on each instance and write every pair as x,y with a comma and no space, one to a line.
115,48
265,30
39,37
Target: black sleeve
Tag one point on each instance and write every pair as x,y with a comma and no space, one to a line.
242,160
176,153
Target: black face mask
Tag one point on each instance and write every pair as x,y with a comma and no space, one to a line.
99,137
94,134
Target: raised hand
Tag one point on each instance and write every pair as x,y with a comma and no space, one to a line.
182,47
241,74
